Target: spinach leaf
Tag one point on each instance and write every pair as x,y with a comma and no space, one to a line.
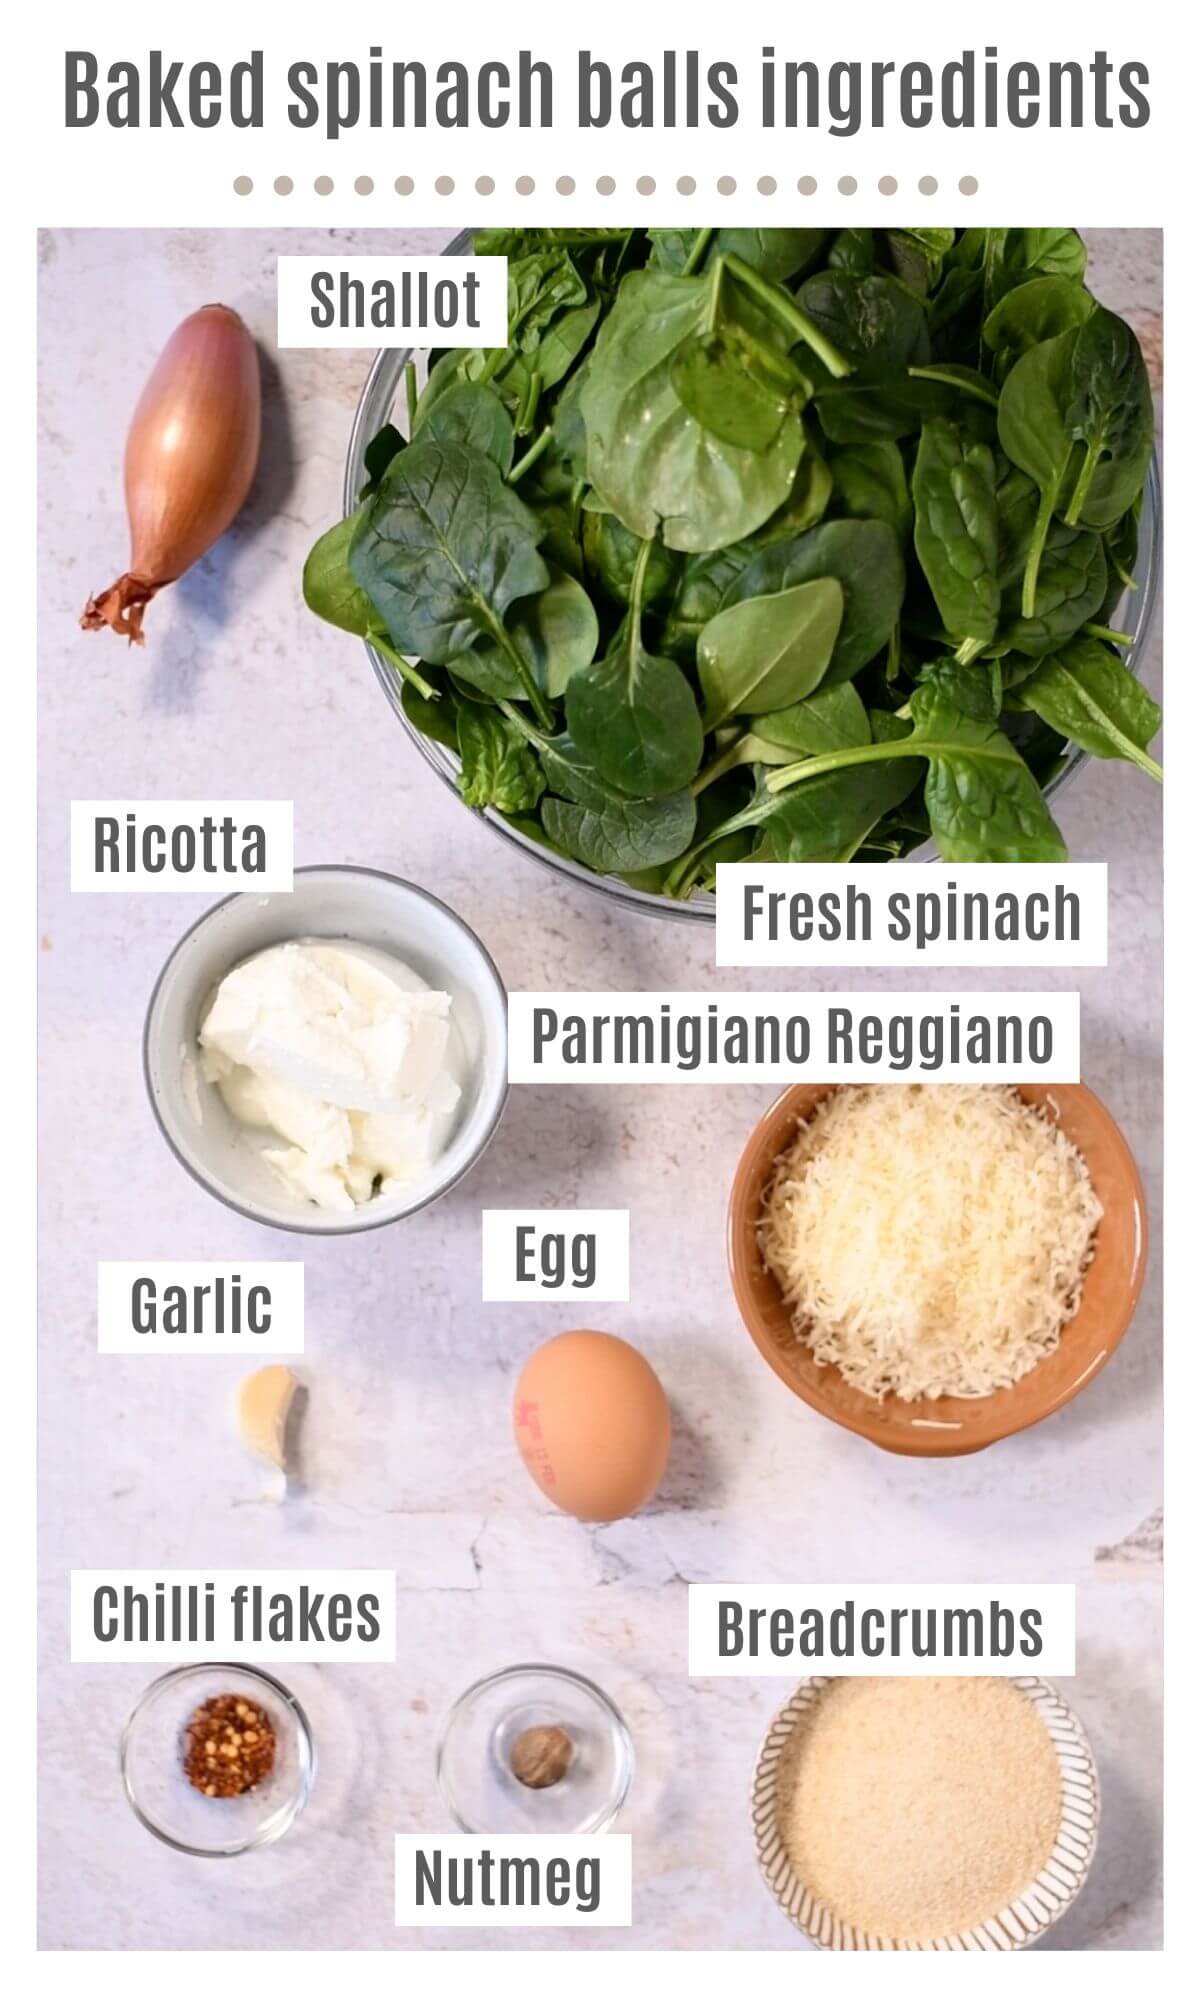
982,799
853,251
1110,410
471,414
617,835
833,718
332,593
1087,695
918,256
870,483
1012,256
738,387
654,464
550,313
498,766
633,715
879,402
699,592
1031,313
1071,587
1034,435
555,633
379,455
829,819
779,254
329,589
442,550
764,652
436,719
863,557
868,319
611,553
826,819
957,533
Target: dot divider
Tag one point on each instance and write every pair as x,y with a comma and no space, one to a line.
646,185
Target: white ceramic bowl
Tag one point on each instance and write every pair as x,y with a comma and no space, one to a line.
355,906
1023,1921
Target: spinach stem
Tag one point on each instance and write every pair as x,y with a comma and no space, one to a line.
520,667
983,392
1091,460
788,313
863,753
969,650
523,465
696,255
403,667
1033,561
524,423
521,722
637,588
728,760
410,394
1106,632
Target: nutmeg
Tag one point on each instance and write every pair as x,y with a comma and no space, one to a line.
540,1757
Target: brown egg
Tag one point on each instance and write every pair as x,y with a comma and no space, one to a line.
592,1425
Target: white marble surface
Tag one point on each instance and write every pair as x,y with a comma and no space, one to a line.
408,1460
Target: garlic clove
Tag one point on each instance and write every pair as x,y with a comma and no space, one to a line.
264,1403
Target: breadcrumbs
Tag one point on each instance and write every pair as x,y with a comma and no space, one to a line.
916,1808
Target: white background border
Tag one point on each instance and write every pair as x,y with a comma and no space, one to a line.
1105,179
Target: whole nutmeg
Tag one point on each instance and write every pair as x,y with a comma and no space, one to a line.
540,1757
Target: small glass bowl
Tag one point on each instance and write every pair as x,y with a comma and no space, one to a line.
382,399
475,1775
152,1763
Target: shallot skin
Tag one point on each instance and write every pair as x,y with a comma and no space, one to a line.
190,459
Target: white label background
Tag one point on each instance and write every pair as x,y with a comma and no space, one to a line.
613,1851
609,1227
273,815
225,1643
1088,880
114,1310
295,301
1061,1009
1054,1601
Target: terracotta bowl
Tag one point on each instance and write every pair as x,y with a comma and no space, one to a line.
946,1426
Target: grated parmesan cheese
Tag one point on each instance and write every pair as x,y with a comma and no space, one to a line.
929,1239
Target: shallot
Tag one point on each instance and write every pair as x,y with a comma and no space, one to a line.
189,460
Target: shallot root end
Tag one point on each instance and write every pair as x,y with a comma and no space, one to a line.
121,606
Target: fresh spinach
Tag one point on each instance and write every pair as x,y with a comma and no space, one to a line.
863,557
957,531
1110,411
1034,436
1086,695
634,715
870,483
763,653
498,766
793,543
982,801
443,549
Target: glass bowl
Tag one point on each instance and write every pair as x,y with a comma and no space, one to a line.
475,1775
382,401
152,1764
